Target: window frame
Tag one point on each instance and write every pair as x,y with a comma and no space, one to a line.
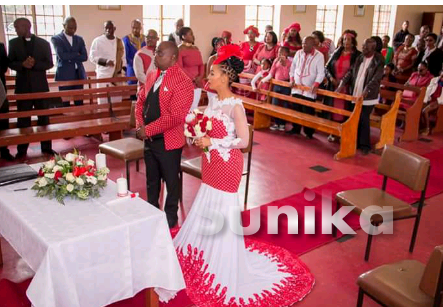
255,21
336,34
376,23
160,33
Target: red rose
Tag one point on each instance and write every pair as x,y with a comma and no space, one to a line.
203,126
57,175
78,171
40,172
199,116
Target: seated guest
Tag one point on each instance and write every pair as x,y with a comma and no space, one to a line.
219,42
308,69
420,78
424,31
262,72
144,58
433,99
433,55
190,60
365,78
174,36
268,50
293,39
71,53
319,40
280,71
404,58
388,76
387,52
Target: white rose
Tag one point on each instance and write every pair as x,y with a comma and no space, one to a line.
70,187
197,111
91,179
50,164
70,177
79,181
91,162
102,177
42,182
63,162
57,168
209,125
190,117
70,157
49,175
188,134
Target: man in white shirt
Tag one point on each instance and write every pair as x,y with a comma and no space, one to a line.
365,78
308,69
174,37
424,31
144,58
108,54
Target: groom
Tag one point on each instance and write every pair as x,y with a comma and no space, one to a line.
162,106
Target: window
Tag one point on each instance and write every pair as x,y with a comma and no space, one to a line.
259,16
381,21
162,18
46,21
327,16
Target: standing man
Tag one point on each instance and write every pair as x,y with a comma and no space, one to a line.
144,58
30,56
108,54
161,109
133,42
424,31
174,36
308,69
4,104
71,53
400,36
365,78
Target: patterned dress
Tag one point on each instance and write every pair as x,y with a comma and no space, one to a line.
227,269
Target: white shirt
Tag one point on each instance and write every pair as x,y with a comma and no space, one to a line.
141,69
106,49
416,40
360,81
159,80
307,69
68,37
427,53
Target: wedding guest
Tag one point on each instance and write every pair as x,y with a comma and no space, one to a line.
219,43
261,73
420,78
71,53
174,36
293,39
433,55
400,36
387,52
421,48
249,49
190,60
227,36
269,50
388,76
424,31
433,99
404,58
133,42
319,44
144,58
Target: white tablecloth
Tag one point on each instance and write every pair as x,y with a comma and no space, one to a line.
88,253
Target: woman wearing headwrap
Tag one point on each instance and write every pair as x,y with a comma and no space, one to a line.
249,48
223,268
227,36
293,39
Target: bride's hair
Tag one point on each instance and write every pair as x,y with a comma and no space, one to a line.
232,66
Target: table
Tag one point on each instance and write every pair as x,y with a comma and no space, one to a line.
89,253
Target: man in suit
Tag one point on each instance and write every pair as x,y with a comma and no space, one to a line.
71,53
30,56
433,56
162,106
4,104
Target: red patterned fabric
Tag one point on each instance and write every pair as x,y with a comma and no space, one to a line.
176,96
248,54
264,53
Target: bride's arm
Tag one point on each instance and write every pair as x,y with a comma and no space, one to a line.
241,129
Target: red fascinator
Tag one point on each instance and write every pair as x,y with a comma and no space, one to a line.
254,29
295,26
225,52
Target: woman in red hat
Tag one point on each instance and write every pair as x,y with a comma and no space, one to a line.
249,48
220,266
293,39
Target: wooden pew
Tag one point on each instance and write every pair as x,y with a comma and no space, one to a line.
264,111
411,114
439,120
72,121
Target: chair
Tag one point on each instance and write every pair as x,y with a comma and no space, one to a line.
193,167
400,165
408,283
126,149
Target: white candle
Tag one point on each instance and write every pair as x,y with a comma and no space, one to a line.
100,160
122,187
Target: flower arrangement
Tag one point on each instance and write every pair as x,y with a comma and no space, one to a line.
197,125
73,175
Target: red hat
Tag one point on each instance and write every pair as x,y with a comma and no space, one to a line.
226,51
254,29
295,26
227,34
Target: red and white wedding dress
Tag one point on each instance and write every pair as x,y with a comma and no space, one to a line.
227,269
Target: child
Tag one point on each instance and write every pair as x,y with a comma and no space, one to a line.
433,98
263,72
280,71
388,76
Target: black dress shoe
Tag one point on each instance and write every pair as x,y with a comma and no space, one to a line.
7,156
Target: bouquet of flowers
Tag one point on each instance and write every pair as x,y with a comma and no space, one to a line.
73,175
197,125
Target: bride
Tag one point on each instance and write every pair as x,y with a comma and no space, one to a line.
225,268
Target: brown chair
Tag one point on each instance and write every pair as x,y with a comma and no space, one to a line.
408,283
193,167
400,165
126,149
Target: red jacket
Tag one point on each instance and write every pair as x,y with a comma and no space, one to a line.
175,98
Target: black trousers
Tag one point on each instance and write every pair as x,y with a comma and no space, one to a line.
73,87
364,128
4,125
23,122
163,164
304,109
